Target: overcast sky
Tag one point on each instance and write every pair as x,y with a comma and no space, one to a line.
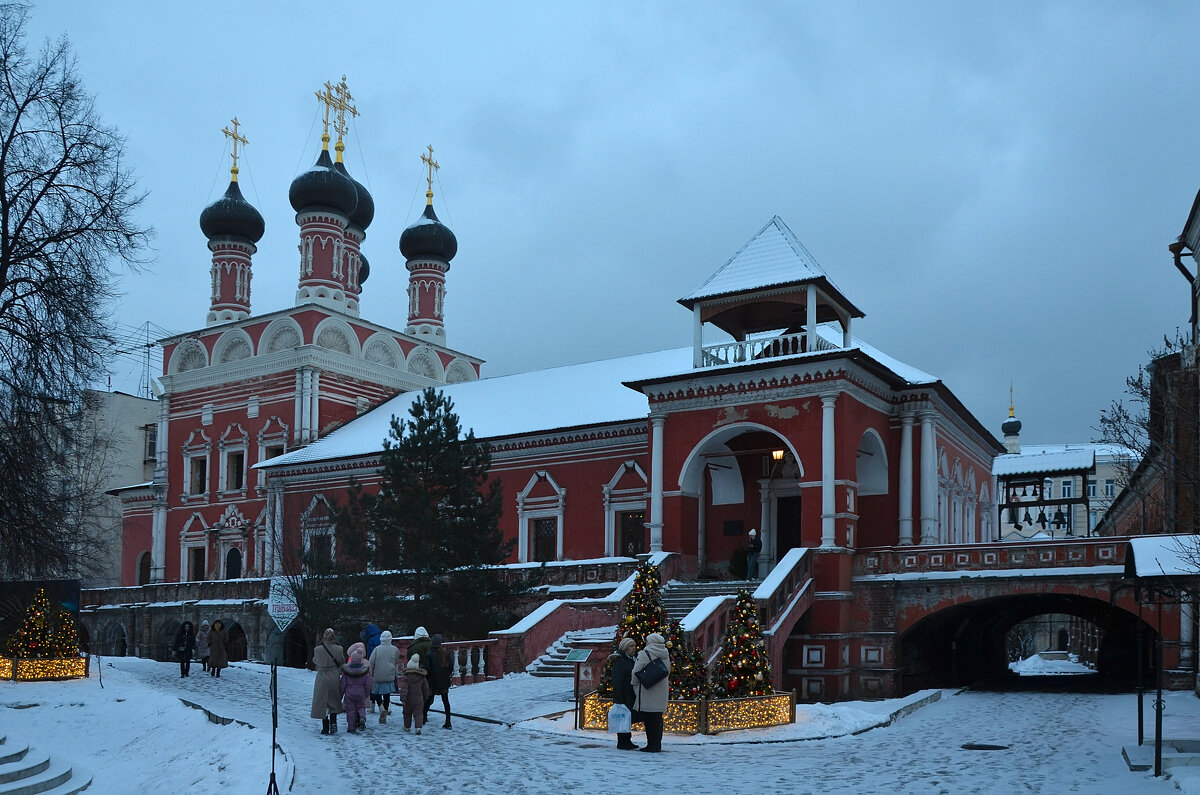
995,187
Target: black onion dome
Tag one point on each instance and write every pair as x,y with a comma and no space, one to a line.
428,238
232,216
1011,426
322,187
364,268
364,212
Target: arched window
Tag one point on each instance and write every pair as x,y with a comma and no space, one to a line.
143,569
233,564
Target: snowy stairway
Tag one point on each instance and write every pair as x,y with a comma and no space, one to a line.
24,771
554,661
679,598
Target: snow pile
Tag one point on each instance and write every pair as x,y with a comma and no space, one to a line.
1050,664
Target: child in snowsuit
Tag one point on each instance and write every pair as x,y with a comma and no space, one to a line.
355,688
414,692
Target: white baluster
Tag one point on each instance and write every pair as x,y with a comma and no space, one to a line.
483,662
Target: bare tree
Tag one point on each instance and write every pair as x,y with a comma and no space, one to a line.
67,207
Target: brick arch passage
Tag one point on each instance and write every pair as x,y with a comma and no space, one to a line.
965,644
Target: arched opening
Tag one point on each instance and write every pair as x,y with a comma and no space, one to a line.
164,645
876,515
741,477
143,569
978,643
237,643
114,641
296,646
233,563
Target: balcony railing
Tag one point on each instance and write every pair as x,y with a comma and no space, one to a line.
734,352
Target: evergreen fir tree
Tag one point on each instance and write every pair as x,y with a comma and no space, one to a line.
743,667
644,615
689,679
48,632
435,522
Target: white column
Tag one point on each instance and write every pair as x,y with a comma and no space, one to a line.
1187,628
314,416
298,411
158,526
827,464
656,481
702,522
846,332
810,320
610,524
522,533
767,531
697,338
906,478
929,518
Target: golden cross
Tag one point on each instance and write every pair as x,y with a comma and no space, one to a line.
236,140
433,166
342,104
327,99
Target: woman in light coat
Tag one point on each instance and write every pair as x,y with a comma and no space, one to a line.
202,645
651,702
383,671
328,658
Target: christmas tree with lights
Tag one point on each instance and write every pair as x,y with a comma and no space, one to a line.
644,615
743,667
48,632
689,677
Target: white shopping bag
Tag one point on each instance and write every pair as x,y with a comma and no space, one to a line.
620,720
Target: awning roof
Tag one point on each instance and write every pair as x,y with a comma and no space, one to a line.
1163,556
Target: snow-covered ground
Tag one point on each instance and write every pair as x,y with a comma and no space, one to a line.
1050,665
135,734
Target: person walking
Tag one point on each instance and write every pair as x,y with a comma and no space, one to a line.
421,643
384,665
414,692
185,647
370,636
441,668
355,689
752,551
202,646
621,676
328,658
218,648
651,701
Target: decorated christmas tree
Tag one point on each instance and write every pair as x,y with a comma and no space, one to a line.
48,632
743,667
689,679
644,615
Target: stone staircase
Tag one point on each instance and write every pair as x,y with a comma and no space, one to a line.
554,661
679,597
27,771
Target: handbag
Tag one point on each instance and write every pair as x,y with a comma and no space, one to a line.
620,720
653,673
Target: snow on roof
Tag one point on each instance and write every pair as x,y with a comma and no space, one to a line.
1163,556
1075,457
584,394
773,256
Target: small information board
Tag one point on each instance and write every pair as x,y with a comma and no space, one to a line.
281,603
578,655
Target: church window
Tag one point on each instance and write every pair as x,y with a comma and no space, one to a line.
631,533
545,539
272,450
197,474
320,547
1110,488
196,564
235,470
143,577
151,436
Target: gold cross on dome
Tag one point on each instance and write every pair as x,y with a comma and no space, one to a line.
236,140
327,99
341,103
433,166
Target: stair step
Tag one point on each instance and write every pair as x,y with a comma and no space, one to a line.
12,752
25,767
47,779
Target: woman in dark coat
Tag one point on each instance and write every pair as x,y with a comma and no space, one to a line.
218,652
440,666
620,675
185,647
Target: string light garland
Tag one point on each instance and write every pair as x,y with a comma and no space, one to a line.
46,646
704,716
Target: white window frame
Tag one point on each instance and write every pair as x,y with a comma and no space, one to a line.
618,501
529,508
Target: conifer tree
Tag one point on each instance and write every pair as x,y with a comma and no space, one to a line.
48,632
435,522
644,615
743,667
689,677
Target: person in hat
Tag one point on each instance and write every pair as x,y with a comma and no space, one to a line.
384,664
328,658
355,688
621,675
202,645
752,550
414,692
